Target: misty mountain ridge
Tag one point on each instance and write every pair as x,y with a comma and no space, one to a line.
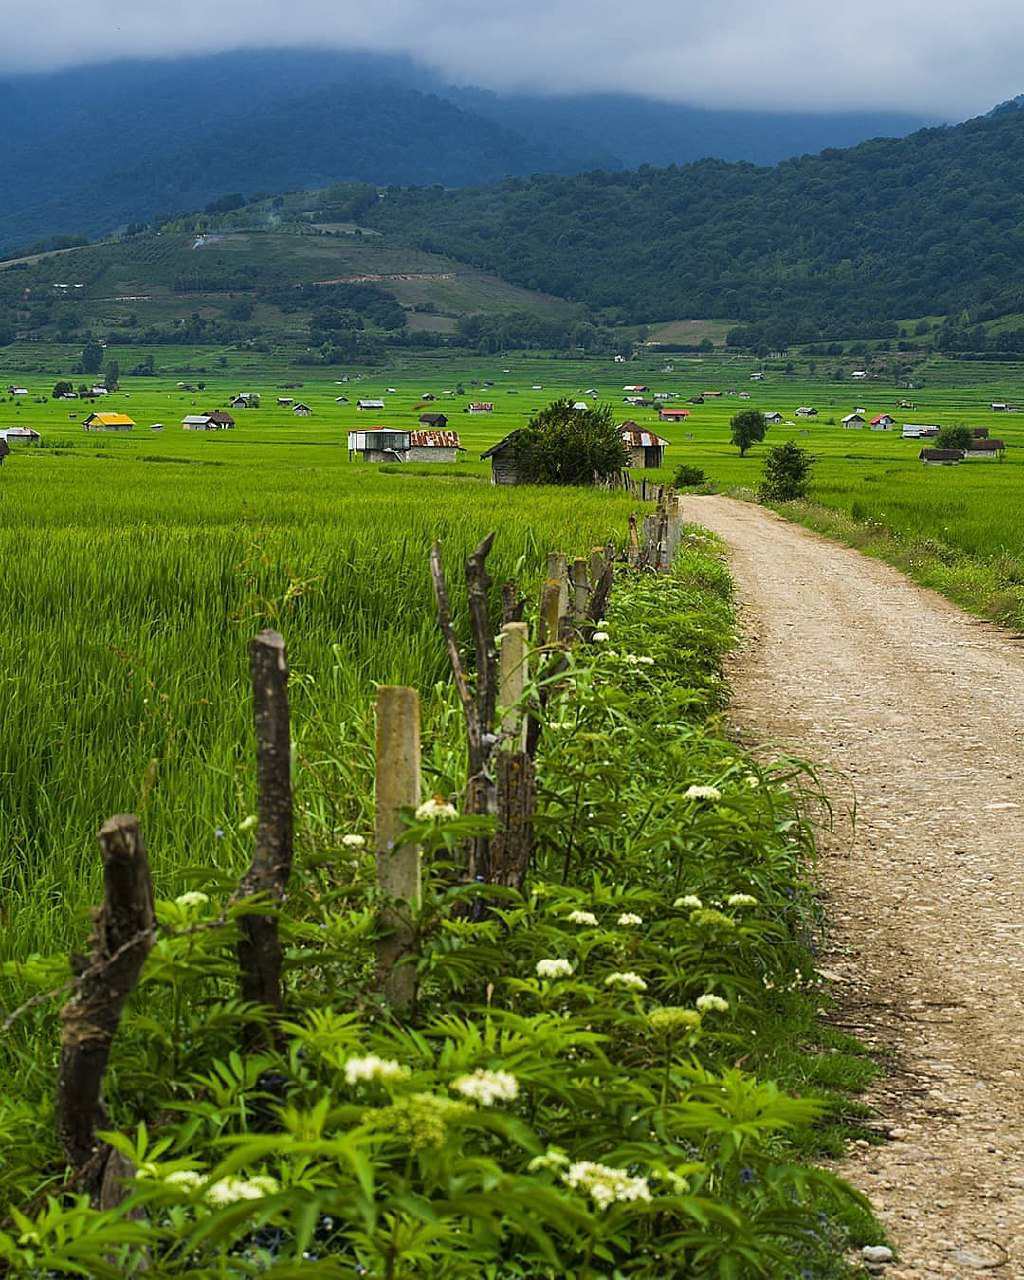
89,149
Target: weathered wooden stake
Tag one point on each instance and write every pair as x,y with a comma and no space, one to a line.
514,674
259,945
398,865
580,589
558,571
596,565
633,552
123,933
550,612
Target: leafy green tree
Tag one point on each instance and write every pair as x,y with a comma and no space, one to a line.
112,376
62,388
688,475
91,359
787,472
563,445
956,436
747,428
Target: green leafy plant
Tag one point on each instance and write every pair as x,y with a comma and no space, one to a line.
787,473
563,445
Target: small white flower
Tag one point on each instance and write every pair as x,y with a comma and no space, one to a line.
605,1185
230,1190
703,793
645,661
690,901
712,1004
581,917
627,981
436,809
488,1087
191,899
554,969
353,841
600,635
740,900
186,1179
630,920
373,1068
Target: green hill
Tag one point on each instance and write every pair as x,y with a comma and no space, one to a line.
839,244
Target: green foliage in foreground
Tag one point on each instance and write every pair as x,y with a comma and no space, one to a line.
577,1093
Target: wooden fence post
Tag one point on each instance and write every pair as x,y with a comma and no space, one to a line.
596,565
398,866
514,674
512,846
123,933
580,590
550,612
259,945
558,571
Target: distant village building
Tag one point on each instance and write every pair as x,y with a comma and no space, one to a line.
480,406
941,457
221,421
247,400
757,377
108,422
882,422
983,450
645,448
580,406
368,404
918,430
285,401
302,410
673,415
772,418
436,420
859,374
806,411
196,422
384,444
853,421
999,406
502,456
636,387
19,435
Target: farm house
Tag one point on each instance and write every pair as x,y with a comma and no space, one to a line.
247,400
369,404
673,415
919,430
19,435
108,422
882,422
806,411
853,421
438,421
384,444
480,407
645,448
773,417
984,450
302,410
941,457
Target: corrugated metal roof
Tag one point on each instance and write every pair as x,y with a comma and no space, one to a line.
436,439
637,438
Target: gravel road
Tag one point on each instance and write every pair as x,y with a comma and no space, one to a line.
916,713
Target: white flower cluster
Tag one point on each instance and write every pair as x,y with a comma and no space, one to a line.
600,636
554,969
488,1087
638,660
703,793
193,899
581,917
690,901
605,1185
352,841
626,981
374,1069
231,1190
712,1004
436,809
630,920
740,900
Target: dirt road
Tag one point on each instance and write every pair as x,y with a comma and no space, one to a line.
917,711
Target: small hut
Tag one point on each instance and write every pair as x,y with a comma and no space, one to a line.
220,421
108,422
438,421
941,457
502,456
384,444
645,448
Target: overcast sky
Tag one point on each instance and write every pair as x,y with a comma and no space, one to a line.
940,57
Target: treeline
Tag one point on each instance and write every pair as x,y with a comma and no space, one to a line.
525,331
842,244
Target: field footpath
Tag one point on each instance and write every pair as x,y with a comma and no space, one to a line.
915,713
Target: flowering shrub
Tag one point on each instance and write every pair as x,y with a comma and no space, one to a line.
605,1033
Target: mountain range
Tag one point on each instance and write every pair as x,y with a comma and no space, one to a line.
89,149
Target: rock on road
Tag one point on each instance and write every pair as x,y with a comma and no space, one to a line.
915,712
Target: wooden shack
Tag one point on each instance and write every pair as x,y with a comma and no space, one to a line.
941,457
108,422
438,421
645,448
502,456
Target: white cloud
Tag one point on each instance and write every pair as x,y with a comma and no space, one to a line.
940,57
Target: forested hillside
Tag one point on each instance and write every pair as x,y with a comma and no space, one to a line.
843,242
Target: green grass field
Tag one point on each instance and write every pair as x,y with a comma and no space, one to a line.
137,565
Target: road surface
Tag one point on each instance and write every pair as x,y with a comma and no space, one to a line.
916,712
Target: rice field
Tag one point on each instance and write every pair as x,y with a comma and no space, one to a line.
137,566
